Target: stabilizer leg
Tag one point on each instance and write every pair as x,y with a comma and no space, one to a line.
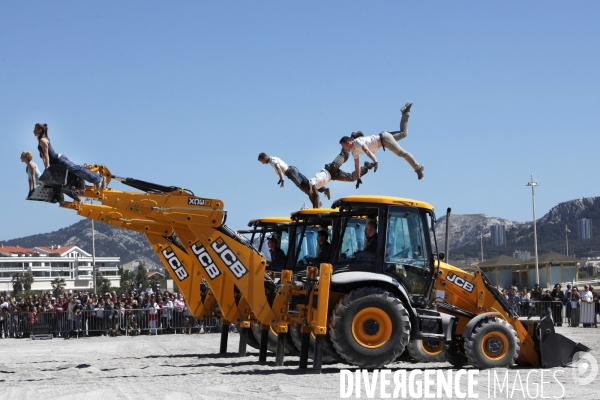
243,341
224,337
318,357
264,341
304,348
281,338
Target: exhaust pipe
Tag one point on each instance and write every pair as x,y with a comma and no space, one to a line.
447,241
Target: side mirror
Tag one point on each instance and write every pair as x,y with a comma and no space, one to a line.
441,256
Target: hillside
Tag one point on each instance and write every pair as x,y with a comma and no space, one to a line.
465,231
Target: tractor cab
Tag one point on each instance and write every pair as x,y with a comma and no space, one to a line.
386,235
270,236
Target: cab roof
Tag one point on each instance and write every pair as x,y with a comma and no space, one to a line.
269,221
313,211
384,200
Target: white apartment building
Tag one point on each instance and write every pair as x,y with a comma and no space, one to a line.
48,263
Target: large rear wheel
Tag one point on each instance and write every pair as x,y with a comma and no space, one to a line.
370,327
493,343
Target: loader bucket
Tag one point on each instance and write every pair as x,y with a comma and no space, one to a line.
556,350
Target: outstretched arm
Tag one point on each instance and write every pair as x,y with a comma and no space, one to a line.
280,173
32,181
369,153
44,154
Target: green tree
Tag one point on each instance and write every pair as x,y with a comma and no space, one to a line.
58,286
127,278
17,283
154,282
102,283
141,278
27,280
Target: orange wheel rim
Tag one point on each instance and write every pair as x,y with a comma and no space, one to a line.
372,327
494,345
432,348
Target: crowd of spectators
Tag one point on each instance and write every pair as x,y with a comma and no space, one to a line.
79,314
541,302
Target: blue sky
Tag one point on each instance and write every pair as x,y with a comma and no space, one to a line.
188,93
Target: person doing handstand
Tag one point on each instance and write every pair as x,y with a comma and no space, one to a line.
51,157
33,172
388,140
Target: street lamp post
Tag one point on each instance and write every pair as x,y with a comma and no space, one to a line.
567,237
537,271
93,254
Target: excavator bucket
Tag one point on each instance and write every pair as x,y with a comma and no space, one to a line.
556,350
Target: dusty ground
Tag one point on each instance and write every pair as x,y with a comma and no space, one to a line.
189,367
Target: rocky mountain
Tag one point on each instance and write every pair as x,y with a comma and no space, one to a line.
465,232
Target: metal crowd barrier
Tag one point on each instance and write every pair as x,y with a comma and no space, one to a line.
107,322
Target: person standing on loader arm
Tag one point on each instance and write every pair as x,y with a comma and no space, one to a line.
281,169
359,144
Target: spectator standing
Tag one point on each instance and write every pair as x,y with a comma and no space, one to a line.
557,304
567,303
152,317
59,315
574,299
167,313
588,299
77,317
3,320
100,324
514,300
178,306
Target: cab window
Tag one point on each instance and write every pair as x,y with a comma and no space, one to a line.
406,252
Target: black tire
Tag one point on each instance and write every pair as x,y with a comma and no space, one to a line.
454,354
330,356
290,349
426,351
370,327
493,343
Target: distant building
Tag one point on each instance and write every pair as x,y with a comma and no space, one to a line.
522,255
498,235
584,228
48,263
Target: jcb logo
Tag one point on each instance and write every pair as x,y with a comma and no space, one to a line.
206,261
460,282
229,258
175,264
196,201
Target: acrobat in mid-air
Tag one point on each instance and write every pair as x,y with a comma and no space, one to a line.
283,169
359,144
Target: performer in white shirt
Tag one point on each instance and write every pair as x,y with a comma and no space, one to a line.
282,168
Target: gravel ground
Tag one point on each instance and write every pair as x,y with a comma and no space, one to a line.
189,367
